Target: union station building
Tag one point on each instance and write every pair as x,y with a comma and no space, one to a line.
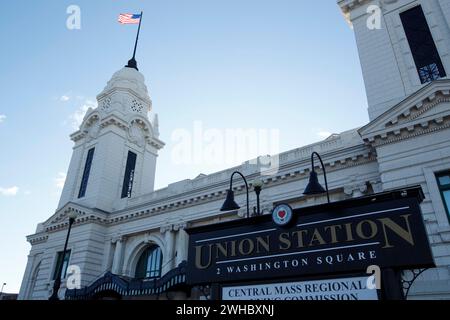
130,241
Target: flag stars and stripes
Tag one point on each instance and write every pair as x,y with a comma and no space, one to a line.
128,18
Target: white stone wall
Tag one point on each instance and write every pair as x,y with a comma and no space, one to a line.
86,243
74,173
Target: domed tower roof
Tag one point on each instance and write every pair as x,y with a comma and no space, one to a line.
126,91
127,79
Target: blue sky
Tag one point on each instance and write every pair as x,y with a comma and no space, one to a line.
288,65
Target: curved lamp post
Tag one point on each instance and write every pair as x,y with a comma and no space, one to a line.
314,186
257,186
57,284
229,203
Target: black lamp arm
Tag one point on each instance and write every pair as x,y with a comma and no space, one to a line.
246,186
324,172
57,283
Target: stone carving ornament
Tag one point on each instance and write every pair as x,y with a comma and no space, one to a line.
136,134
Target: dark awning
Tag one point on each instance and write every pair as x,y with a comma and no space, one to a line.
172,280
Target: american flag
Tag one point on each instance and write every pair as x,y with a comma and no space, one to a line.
129,18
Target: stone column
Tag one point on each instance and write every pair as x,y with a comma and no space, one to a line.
181,243
168,254
108,262
25,288
118,255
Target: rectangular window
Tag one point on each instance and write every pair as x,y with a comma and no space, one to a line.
129,175
423,48
64,262
87,170
444,187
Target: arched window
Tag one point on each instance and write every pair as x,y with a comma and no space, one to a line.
149,264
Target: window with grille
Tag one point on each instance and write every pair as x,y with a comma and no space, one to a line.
423,48
150,263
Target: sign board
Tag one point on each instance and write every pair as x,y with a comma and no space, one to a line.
334,289
386,230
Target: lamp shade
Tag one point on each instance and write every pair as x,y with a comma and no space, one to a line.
313,186
229,203
72,215
258,183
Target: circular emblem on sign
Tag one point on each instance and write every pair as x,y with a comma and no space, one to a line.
282,214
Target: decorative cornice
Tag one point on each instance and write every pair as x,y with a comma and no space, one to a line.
165,228
348,5
155,142
127,90
421,108
180,226
421,113
113,120
411,132
37,238
78,135
59,221
355,188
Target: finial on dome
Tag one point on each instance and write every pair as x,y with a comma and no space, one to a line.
132,64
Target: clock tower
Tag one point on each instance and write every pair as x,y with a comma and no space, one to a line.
116,147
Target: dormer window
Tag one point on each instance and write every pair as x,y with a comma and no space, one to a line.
423,48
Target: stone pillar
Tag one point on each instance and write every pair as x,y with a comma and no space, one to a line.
118,255
108,262
181,243
168,254
25,288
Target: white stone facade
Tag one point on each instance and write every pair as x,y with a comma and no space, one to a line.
406,143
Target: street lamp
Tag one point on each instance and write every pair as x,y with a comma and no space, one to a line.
229,203
57,284
257,186
1,292
314,186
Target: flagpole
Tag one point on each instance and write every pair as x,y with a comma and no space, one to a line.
132,63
